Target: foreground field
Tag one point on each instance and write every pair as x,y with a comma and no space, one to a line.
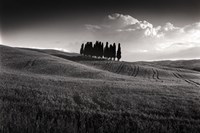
52,91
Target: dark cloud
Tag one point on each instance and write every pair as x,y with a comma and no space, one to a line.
19,13
30,9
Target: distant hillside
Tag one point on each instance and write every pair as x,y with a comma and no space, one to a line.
185,64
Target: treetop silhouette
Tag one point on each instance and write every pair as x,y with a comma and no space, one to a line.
99,51
119,52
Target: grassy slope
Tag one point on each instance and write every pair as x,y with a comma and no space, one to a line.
185,64
41,91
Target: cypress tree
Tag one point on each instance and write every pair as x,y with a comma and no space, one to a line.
82,49
101,49
110,51
86,49
95,49
114,51
98,49
106,50
119,52
90,50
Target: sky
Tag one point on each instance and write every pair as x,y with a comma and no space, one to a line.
147,30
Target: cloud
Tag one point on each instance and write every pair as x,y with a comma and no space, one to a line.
125,23
188,36
169,27
92,27
192,27
121,20
141,36
192,32
125,29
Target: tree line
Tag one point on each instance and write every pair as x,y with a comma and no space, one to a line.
98,50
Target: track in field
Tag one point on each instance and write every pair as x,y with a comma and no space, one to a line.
119,69
30,63
155,74
148,72
133,70
136,71
189,81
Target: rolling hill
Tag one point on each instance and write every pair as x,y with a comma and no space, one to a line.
54,91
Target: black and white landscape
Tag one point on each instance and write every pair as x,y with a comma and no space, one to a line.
100,66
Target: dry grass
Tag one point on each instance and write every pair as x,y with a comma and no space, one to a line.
59,95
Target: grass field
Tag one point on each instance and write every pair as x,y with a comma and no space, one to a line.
52,91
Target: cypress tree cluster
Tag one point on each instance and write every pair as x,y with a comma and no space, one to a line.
99,51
